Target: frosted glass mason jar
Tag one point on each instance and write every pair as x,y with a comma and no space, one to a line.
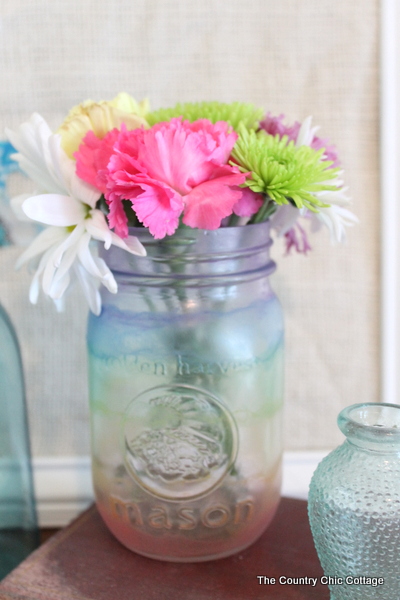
186,378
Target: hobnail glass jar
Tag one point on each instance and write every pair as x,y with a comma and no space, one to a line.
354,506
186,373
18,525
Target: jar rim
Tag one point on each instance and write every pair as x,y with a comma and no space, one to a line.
194,253
209,240
375,422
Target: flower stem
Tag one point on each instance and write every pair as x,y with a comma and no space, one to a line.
267,209
233,220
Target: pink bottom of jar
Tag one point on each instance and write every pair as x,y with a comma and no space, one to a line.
189,533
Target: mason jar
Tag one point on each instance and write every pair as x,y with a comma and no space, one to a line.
186,390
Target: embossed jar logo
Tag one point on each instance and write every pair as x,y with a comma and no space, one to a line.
180,441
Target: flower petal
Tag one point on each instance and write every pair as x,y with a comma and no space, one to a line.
38,174
61,277
275,126
16,206
98,228
59,286
83,191
130,244
284,218
249,203
117,216
31,137
95,266
34,156
64,169
296,238
54,209
71,240
208,203
158,208
45,239
89,288
306,133
107,278
338,197
34,289
336,218
93,157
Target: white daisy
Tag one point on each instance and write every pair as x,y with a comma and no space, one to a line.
335,217
67,206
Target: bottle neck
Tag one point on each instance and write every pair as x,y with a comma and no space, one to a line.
372,426
225,253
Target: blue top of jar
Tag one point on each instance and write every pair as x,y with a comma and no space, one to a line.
194,253
374,426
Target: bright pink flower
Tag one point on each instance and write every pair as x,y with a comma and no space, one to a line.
216,138
209,202
249,203
92,158
174,168
275,125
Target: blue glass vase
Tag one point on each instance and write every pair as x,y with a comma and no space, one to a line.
186,393
354,506
18,524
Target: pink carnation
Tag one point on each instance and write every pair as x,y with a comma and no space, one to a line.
93,156
275,126
249,203
172,169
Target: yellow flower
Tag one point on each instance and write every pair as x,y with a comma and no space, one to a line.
101,117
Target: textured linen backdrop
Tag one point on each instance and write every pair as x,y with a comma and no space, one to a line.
291,56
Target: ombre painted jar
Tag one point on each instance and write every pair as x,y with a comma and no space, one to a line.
186,390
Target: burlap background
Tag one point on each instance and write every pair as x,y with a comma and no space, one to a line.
293,56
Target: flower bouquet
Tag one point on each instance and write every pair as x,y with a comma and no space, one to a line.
114,165
186,361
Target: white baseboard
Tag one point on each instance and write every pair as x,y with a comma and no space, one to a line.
298,468
63,485
63,488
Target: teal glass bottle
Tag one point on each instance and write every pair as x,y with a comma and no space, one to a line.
354,506
18,523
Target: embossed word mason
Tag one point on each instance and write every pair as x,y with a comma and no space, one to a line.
181,517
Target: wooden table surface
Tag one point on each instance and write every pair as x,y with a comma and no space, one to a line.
85,562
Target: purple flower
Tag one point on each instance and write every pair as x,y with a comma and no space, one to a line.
296,238
275,126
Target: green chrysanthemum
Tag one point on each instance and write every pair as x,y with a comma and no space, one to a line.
234,113
282,171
